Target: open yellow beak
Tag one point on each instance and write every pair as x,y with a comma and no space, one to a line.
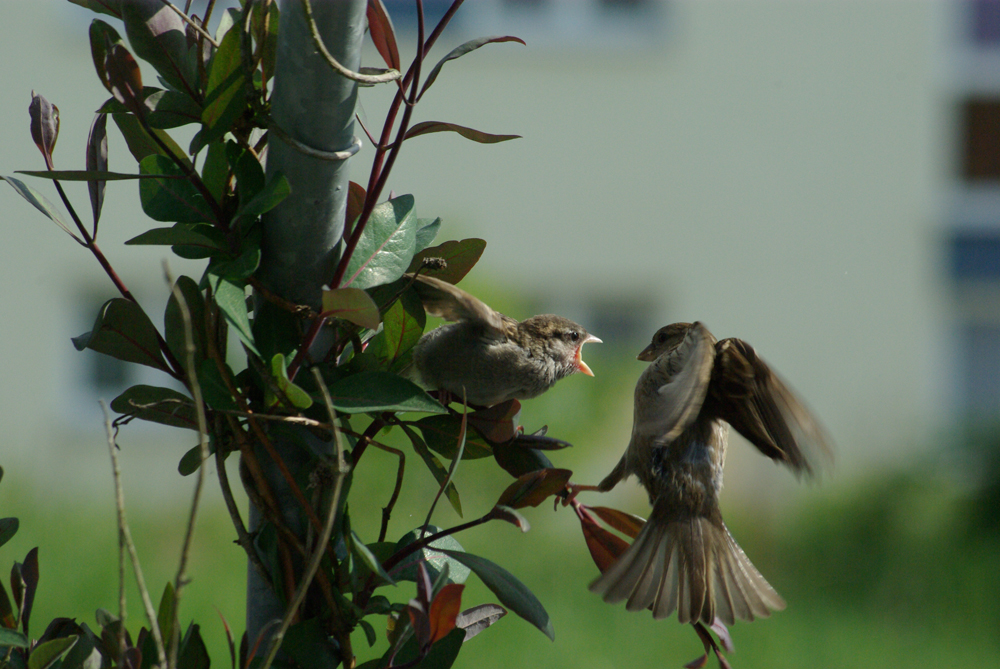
580,364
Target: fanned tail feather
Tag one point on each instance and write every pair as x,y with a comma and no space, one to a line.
689,565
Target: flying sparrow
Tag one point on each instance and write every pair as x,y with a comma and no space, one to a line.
487,357
684,558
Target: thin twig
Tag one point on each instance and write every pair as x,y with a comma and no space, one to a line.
387,509
388,75
180,581
191,22
125,536
454,464
243,537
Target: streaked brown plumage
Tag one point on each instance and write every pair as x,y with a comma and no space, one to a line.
684,558
488,357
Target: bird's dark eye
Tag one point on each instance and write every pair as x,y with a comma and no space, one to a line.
573,335
662,337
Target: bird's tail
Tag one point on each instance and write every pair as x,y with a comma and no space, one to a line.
691,565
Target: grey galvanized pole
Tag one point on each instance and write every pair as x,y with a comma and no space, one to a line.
315,106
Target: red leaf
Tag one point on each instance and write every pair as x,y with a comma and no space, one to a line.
444,610
625,523
44,126
97,161
355,203
604,546
535,487
428,127
383,36
351,304
496,424
124,78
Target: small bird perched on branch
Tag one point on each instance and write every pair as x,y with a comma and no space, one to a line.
489,358
684,558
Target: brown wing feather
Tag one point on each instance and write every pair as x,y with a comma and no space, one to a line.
751,398
451,303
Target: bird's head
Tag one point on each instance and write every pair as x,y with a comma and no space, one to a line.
666,339
558,338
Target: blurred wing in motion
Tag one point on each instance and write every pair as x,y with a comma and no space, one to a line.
451,303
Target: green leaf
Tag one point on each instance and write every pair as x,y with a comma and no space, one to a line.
12,639
426,233
97,161
225,99
511,592
310,646
516,460
432,556
124,331
442,654
8,528
100,6
269,40
427,127
165,611
186,234
386,246
232,300
158,36
460,51
369,559
190,461
215,171
461,257
439,471
402,326
171,199
193,653
381,391
351,304
140,144
157,405
279,375
40,203
45,654
84,175
535,487
102,38
442,434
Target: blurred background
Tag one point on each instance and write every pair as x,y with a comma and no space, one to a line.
820,178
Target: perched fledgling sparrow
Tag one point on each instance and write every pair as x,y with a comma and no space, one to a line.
684,558
489,358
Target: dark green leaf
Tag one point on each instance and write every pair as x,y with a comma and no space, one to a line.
29,576
231,299
124,331
351,304
381,391
310,646
509,515
8,528
276,190
443,432
247,169
213,386
84,654
12,638
157,405
511,592
174,199
102,38
215,171
101,6
226,91
171,109
460,51
193,653
97,161
173,323
442,654
535,487
140,144
45,654
461,257
439,471
186,234
370,635
124,79
40,203
386,246
427,127
432,556
517,461
426,233
269,40
158,36
190,461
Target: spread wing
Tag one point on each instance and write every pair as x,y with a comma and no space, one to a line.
451,303
671,391
752,399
